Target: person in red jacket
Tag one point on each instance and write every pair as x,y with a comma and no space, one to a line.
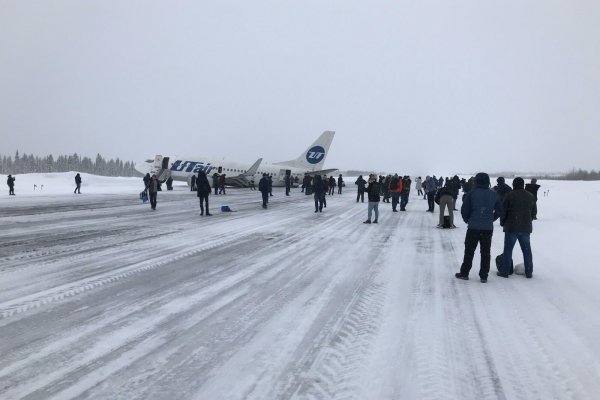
395,187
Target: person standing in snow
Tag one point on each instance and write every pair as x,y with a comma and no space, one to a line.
77,184
263,188
373,193
360,194
153,191
501,188
533,189
146,180
10,181
203,191
406,182
517,214
340,183
430,189
480,208
444,199
288,183
395,188
319,190
418,183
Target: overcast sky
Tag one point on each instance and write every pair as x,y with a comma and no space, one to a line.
422,86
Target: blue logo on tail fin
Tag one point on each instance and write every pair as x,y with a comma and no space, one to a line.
315,155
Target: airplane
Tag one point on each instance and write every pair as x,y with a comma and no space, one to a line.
236,174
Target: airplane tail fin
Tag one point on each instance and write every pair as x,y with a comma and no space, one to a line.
314,156
252,170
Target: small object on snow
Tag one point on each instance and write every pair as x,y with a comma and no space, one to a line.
520,269
226,209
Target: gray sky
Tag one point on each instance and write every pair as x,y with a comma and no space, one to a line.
409,86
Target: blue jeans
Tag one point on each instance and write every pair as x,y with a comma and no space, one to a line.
373,205
510,238
395,199
403,201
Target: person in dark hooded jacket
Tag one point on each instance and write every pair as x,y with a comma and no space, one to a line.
501,188
517,214
481,207
319,190
533,189
203,189
361,187
10,181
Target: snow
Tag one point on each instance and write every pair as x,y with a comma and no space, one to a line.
103,298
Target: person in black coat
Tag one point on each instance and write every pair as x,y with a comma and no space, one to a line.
362,184
77,184
501,188
516,218
263,187
340,183
203,189
153,188
10,181
533,189
319,190
215,179
146,180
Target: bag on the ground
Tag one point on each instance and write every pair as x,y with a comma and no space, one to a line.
446,223
499,261
520,269
225,209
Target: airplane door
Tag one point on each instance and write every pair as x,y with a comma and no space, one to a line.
165,163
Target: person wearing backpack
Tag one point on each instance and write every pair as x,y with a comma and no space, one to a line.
430,189
395,188
374,199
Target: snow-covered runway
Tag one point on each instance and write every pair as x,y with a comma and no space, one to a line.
102,298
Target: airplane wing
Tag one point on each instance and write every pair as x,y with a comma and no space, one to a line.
322,172
242,180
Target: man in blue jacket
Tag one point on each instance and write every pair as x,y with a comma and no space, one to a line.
481,207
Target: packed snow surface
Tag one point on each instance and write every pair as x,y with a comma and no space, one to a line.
103,298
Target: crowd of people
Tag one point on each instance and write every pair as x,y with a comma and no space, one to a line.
515,206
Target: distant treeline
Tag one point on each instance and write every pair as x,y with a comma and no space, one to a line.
577,175
24,164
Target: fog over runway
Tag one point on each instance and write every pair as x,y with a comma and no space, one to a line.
102,298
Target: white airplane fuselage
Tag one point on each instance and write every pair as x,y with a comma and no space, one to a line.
238,173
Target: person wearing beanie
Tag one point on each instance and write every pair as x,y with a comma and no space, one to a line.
533,189
373,191
516,219
501,188
480,208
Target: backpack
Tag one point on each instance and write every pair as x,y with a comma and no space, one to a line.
499,261
394,184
